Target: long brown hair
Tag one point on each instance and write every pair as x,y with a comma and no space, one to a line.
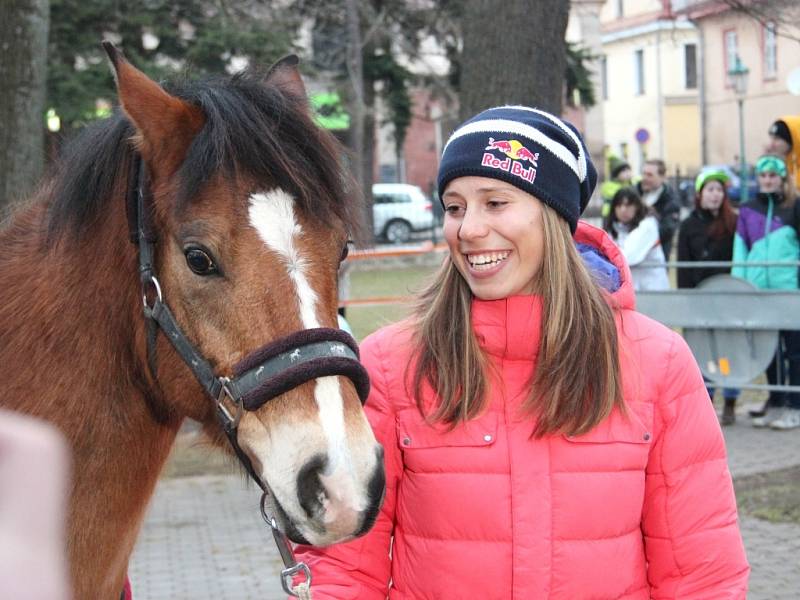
724,224
625,195
576,382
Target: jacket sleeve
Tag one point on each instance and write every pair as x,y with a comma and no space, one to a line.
692,540
361,569
686,277
640,241
741,248
669,216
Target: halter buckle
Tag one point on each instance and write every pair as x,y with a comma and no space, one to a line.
301,589
231,418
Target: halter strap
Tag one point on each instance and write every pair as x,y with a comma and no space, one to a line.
268,372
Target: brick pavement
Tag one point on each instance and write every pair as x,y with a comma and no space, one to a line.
204,537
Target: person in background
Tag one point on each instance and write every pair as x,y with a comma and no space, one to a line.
659,197
635,230
784,141
707,235
621,175
767,231
539,434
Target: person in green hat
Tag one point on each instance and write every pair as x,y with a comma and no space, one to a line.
707,235
767,231
621,176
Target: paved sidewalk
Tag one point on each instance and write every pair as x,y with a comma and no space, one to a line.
204,538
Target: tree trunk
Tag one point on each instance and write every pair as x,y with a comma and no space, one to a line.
23,76
355,71
513,53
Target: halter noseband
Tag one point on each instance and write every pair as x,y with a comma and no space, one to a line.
264,374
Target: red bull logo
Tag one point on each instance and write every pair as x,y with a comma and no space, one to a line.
516,155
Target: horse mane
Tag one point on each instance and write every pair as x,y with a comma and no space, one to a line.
252,130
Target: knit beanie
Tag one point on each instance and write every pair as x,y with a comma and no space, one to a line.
616,166
531,149
771,164
781,130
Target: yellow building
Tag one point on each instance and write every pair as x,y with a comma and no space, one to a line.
768,49
649,85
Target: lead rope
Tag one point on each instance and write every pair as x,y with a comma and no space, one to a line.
292,568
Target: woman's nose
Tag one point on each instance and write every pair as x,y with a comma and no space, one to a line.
472,226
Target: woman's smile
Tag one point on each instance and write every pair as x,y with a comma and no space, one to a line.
485,264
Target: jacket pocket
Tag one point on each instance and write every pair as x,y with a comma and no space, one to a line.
634,427
413,432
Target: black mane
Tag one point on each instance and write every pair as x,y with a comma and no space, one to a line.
251,129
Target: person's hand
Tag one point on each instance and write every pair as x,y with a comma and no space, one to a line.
34,470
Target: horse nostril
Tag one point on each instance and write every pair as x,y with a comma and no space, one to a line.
310,492
376,490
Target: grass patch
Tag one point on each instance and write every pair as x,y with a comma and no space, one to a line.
405,281
774,496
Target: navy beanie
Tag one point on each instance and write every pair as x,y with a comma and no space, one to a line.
531,149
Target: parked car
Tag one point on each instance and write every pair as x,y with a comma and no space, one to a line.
399,209
735,183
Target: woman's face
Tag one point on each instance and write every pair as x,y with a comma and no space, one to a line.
625,212
495,234
711,196
769,182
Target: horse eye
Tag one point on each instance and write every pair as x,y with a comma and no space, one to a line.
345,250
200,262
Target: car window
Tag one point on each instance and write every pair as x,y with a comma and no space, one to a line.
392,198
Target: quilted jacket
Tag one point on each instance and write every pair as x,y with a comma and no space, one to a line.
640,507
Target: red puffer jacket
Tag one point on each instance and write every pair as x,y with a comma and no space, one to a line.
640,507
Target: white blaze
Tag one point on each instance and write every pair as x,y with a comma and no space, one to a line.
272,215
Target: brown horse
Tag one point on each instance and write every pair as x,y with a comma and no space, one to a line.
251,212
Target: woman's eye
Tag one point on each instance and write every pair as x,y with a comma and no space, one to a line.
453,209
200,262
495,203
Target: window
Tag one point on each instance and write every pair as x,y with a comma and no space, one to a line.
731,50
770,52
690,66
638,59
620,8
604,76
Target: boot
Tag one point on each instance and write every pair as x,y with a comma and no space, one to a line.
728,412
771,402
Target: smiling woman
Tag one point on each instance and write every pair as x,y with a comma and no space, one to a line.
534,425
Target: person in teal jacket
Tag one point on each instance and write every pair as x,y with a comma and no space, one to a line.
767,231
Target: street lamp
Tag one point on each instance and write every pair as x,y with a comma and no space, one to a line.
737,79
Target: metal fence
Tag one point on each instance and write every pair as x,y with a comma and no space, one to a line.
732,328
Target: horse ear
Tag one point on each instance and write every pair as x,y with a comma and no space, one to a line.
165,124
285,75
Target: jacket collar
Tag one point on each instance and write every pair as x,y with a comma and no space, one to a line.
511,327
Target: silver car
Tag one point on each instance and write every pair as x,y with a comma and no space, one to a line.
399,209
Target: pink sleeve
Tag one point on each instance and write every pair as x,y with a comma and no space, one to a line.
690,525
361,569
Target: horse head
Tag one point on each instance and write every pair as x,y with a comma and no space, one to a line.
251,211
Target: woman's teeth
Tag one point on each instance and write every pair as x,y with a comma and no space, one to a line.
482,262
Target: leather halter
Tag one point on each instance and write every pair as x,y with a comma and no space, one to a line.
264,374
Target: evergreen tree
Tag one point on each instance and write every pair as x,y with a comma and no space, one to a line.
164,38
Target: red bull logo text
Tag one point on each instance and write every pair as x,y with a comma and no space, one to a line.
516,155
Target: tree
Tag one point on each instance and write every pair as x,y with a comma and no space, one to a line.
163,38
513,53
23,67
578,77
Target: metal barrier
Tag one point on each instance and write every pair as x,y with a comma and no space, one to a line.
739,322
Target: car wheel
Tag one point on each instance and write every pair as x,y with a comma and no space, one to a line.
397,232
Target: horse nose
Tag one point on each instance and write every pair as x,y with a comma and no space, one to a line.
310,490
376,491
